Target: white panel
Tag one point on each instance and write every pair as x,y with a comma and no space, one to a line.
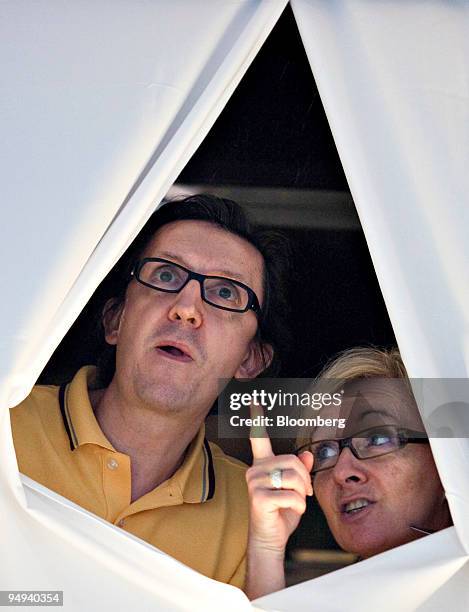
93,96
103,103
405,579
67,548
394,80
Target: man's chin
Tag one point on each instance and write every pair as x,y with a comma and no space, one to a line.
164,399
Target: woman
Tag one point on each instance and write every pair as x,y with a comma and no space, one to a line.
375,481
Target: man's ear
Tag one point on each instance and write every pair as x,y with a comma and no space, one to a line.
112,313
258,358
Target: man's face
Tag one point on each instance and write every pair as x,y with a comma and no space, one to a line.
207,343
370,504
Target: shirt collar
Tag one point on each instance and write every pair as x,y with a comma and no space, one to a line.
79,419
194,480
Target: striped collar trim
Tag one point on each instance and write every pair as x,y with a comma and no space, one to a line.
208,488
195,478
79,420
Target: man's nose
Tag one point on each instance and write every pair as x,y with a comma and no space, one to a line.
187,306
349,469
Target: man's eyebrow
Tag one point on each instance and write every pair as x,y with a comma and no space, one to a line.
183,262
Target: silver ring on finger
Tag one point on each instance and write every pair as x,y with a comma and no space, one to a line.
276,478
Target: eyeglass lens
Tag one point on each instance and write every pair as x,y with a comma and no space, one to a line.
218,291
369,444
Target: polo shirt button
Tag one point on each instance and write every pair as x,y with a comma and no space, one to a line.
121,523
112,464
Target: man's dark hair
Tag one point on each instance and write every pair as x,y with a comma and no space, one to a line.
228,215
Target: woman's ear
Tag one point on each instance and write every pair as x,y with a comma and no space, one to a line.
257,359
111,318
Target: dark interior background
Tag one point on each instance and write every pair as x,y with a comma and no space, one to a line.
272,143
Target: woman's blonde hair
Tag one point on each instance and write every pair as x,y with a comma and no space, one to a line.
365,362
356,363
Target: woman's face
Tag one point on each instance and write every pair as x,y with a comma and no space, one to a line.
370,505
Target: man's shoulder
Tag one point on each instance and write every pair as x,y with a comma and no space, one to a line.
41,396
230,482
228,462
230,473
45,398
37,428
39,409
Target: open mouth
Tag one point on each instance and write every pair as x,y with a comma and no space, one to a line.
356,506
174,352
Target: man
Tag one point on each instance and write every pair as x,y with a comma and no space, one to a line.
196,305
376,480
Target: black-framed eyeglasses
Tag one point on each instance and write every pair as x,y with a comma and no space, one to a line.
218,291
366,444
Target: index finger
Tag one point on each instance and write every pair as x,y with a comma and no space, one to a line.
259,438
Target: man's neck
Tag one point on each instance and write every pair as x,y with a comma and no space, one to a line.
155,443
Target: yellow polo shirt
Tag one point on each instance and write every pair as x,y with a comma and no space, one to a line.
199,515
